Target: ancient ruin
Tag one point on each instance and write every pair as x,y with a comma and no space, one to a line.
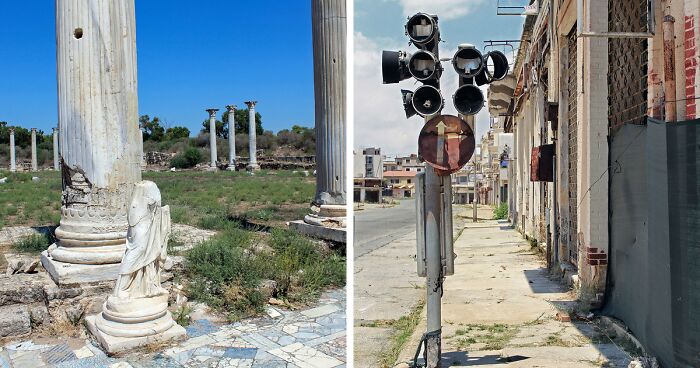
231,137
252,149
98,115
137,313
212,138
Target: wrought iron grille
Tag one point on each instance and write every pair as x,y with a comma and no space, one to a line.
573,154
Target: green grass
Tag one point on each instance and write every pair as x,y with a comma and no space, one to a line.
494,337
25,202
35,243
501,212
403,330
226,270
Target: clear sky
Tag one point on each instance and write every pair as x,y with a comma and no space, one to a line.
192,55
379,25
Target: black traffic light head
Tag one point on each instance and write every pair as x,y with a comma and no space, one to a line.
395,66
422,29
423,65
495,68
407,98
468,99
468,61
427,100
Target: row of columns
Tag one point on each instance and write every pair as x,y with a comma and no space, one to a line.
252,137
35,166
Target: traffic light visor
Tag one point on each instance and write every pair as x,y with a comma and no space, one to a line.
394,68
427,100
468,99
423,65
421,28
468,62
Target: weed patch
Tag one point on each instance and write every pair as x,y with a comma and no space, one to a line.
403,329
35,243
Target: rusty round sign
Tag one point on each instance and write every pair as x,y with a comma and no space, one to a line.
446,143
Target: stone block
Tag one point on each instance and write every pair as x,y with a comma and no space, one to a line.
338,235
15,320
69,273
39,314
113,344
21,289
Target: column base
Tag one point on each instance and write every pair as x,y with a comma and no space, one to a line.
253,167
212,168
231,167
114,344
71,273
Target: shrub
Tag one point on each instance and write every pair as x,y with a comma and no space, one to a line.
35,243
187,159
501,212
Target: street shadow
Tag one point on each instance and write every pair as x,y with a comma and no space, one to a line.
541,283
462,359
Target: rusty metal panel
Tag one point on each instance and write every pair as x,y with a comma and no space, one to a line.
572,241
446,143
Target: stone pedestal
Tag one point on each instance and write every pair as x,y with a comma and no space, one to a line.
126,324
35,167
98,132
55,150
252,137
13,161
231,137
212,138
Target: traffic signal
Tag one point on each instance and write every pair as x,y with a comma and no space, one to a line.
474,70
423,65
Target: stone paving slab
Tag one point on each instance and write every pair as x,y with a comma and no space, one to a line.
311,338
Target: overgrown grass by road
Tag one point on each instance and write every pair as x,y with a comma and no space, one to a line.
403,330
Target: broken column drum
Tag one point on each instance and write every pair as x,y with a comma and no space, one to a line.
55,149
231,137
252,136
329,40
13,162
98,130
212,136
35,167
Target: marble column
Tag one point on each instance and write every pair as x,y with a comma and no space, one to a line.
55,150
99,134
231,137
35,167
13,162
329,44
252,137
212,137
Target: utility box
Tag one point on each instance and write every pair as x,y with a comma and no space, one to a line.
446,233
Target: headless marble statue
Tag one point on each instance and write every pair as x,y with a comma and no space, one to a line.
138,308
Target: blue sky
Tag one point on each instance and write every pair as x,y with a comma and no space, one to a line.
379,25
192,55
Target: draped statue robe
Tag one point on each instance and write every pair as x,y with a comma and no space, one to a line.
146,250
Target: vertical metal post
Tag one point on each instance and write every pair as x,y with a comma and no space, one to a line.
475,192
433,203
555,222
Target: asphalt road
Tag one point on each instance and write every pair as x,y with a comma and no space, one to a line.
377,227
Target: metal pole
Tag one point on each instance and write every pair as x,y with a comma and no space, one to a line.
555,210
475,192
433,203
669,69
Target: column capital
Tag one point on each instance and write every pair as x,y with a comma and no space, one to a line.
231,108
251,104
212,112
33,129
54,129
12,130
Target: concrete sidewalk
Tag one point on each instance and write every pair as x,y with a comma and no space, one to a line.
500,307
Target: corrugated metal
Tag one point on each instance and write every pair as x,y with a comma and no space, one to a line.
573,147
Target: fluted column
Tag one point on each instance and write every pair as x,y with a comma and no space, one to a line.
231,137
34,163
13,162
212,137
252,137
98,132
329,43
55,150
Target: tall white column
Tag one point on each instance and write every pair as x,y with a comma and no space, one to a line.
99,136
212,137
55,150
252,137
329,43
34,163
13,163
231,137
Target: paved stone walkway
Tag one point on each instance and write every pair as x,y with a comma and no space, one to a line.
310,338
